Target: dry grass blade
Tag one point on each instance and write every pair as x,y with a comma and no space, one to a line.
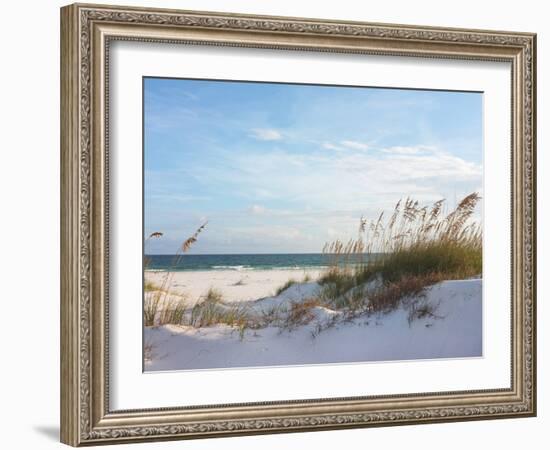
300,313
158,301
191,240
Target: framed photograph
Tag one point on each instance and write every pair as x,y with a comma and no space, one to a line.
276,224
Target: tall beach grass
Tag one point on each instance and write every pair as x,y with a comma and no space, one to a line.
396,258
161,306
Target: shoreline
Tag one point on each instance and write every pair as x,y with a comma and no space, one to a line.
244,269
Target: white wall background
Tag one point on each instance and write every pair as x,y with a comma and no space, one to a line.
29,223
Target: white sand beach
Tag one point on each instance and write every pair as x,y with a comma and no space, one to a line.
236,285
453,329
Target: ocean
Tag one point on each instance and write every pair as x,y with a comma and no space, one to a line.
238,262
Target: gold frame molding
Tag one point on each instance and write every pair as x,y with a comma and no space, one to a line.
86,31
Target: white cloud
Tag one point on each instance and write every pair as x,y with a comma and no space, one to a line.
257,209
330,146
355,145
349,180
263,194
412,150
342,145
337,188
266,134
275,232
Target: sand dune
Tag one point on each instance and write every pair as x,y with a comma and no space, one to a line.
454,330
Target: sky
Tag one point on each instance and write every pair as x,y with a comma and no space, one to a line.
284,168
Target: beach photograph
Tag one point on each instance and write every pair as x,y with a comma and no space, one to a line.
297,224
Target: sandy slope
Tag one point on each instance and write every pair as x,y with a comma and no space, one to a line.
455,332
236,285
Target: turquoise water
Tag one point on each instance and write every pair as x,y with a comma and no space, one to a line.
238,262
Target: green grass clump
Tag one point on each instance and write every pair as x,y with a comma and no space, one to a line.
212,311
337,281
285,286
453,259
164,309
149,286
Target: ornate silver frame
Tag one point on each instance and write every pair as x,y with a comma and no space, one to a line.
86,31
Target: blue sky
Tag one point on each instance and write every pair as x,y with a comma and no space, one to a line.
282,168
